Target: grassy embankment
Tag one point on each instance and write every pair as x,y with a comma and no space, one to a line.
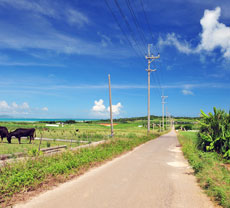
211,170
33,173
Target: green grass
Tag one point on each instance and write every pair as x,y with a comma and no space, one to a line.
210,169
24,176
25,147
90,132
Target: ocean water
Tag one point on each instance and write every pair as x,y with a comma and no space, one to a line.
41,119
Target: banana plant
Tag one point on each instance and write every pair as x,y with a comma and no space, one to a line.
214,134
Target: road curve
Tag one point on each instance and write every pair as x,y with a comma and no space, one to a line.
153,175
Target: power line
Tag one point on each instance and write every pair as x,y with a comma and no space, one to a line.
140,30
150,31
147,21
128,26
157,90
158,79
126,36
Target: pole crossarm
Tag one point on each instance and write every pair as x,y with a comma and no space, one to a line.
153,57
151,70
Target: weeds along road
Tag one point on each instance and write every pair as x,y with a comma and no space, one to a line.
153,175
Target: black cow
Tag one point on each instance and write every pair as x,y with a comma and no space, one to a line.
18,133
3,132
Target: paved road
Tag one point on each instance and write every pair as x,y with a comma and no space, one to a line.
153,175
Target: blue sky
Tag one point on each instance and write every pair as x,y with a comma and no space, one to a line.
55,57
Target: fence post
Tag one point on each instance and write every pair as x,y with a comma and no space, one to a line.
40,141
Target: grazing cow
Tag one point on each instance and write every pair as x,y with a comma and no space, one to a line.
3,132
18,133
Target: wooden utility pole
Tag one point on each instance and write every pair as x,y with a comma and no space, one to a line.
111,111
150,60
167,118
163,114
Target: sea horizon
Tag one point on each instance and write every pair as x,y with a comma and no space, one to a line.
43,119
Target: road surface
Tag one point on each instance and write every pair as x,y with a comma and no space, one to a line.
153,175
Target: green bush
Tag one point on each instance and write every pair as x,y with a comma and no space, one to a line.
214,134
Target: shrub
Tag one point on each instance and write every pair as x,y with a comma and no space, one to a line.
214,134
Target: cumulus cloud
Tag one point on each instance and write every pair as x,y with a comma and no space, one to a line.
4,105
18,109
45,109
25,105
214,35
187,92
116,109
14,108
99,108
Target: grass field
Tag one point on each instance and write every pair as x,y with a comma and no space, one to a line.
88,132
211,170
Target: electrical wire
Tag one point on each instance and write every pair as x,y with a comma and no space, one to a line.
129,27
148,24
139,29
124,33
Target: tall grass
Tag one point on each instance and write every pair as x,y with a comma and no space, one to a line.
210,168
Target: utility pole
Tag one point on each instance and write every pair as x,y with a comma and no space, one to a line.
163,103
150,60
111,112
167,118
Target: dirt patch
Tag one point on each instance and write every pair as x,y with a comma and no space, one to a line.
227,166
107,124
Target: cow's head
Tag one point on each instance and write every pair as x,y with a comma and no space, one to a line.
9,138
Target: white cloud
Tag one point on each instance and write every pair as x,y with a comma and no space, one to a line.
14,108
214,34
76,17
14,105
19,109
4,105
116,109
25,105
41,33
37,7
173,39
45,109
48,8
99,108
105,40
187,92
